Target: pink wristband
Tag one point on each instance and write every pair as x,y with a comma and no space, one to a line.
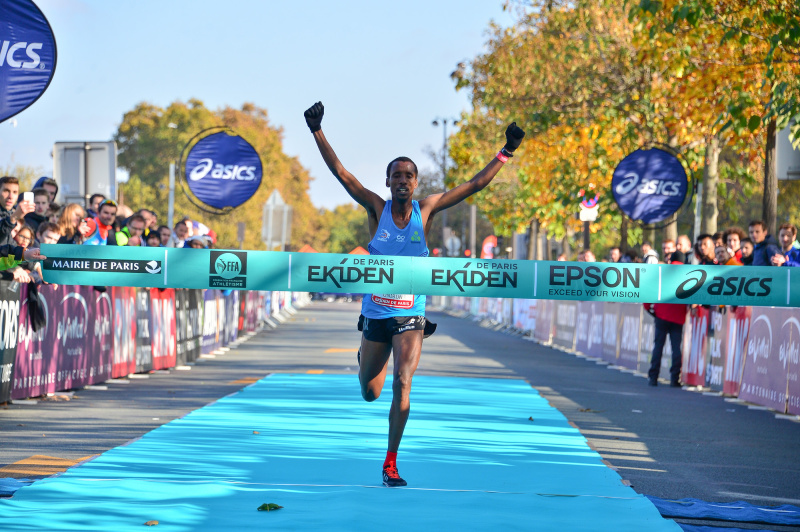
502,158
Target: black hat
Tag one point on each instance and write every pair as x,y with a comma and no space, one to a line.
677,256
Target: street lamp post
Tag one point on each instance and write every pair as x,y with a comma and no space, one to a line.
443,122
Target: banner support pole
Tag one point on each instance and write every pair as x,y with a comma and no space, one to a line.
171,208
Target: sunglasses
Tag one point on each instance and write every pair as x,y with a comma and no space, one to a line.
108,202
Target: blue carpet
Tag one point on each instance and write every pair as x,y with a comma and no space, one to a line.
472,457
740,511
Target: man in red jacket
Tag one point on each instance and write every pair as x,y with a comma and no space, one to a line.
669,321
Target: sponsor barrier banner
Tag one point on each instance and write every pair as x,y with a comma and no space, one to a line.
610,332
211,330
524,314
162,328
35,367
565,314
188,325
543,331
9,334
630,317
123,361
323,272
589,329
694,366
764,376
144,346
27,56
230,319
738,327
716,345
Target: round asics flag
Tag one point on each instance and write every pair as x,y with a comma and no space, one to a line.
223,170
27,56
649,185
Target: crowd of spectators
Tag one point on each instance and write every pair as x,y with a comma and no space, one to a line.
31,218
733,247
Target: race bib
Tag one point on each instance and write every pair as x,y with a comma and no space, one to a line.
401,301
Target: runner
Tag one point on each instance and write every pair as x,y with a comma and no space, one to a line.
396,323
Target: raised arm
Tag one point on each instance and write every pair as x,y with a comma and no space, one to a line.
365,197
439,202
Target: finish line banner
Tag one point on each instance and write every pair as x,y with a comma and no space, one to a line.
325,272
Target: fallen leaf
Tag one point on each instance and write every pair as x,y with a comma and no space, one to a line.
530,418
589,410
151,523
256,432
266,507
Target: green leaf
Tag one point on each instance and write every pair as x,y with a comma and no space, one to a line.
754,122
268,507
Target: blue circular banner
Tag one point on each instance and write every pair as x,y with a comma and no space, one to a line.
649,185
223,170
27,56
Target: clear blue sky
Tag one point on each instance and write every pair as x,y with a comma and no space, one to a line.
381,69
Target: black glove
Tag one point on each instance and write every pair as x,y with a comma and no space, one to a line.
314,116
514,136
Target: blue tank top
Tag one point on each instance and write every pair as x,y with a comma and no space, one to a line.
407,242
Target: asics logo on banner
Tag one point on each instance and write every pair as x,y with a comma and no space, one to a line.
10,53
647,186
218,171
724,286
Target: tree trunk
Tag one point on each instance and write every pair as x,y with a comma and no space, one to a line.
533,237
770,205
649,235
708,222
623,235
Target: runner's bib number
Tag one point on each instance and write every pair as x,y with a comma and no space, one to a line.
401,301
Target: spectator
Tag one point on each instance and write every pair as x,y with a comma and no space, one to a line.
614,254
669,320
704,250
94,203
50,185
196,242
24,237
72,225
649,255
11,212
684,245
718,239
123,213
724,256
53,212
133,232
150,220
47,234
41,202
668,247
789,256
733,237
747,252
153,240
764,245
180,234
562,257
104,232
166,236
586,256
630,256
196,228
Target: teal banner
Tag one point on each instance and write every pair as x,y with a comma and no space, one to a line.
325,272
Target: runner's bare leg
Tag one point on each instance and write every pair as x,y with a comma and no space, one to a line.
372,370
407,347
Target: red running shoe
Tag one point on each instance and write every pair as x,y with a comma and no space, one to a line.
391,478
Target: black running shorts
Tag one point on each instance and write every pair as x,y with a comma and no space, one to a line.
382,330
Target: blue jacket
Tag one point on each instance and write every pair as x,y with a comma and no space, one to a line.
792,257
764,251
